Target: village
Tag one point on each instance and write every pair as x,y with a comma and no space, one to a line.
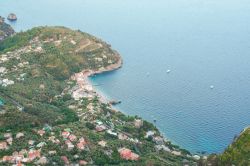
68,140
100,128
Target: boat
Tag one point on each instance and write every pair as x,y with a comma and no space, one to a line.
211,87
168,71
12,17
114,102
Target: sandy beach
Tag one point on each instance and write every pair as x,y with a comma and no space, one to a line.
84,88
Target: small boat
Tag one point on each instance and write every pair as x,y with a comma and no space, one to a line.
113,102
12,17
211,87
168,71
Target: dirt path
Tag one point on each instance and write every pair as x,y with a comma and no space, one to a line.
83,46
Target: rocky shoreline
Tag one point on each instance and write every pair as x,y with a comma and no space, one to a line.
109,68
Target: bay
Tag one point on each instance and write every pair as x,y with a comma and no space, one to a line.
173,52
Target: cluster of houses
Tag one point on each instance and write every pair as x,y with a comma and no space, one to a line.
83,89
71,140
4,145
110,129
161,145
125,153
23,156
34,153
4,81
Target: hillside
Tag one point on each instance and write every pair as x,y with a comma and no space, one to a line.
238,153
5,29
50,114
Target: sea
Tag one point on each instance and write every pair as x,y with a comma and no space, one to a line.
186,62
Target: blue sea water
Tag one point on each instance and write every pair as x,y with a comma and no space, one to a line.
202,42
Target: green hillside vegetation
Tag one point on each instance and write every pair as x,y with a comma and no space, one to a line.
37,106
49,68
238,153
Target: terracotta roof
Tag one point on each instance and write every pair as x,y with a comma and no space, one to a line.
8,159
100,128
72,137
80,146
127,154
65,159
82,140
83,162
65,134
34,154
3,145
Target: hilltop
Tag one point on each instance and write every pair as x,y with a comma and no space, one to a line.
51,115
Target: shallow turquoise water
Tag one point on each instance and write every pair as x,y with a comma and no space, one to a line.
202,42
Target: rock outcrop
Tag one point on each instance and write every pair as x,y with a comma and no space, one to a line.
5,29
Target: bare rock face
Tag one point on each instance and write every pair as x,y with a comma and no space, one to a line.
1,20
5,29
12,17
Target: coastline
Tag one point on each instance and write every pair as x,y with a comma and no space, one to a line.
109,68
84,86
76,112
